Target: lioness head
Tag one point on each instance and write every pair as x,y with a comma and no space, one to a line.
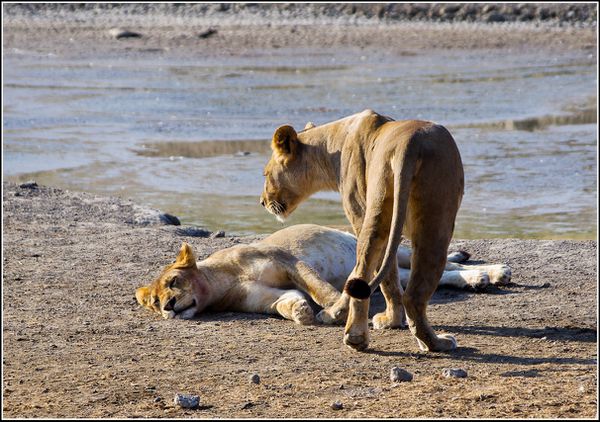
180,291
286,182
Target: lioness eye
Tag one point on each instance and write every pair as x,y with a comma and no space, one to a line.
172,282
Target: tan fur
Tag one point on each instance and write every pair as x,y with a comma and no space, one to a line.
271,276
394,177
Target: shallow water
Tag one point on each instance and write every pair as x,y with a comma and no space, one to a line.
136,127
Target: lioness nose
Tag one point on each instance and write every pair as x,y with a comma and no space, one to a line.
170,304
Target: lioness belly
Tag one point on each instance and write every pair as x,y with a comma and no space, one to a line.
330,252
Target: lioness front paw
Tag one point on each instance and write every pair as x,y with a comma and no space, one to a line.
302,313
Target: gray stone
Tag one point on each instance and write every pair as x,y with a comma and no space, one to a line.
400,375
454,373
187,401
255,379
337,405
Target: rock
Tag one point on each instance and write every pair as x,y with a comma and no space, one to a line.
192,232
119,33
488,8
157,399
400,375
247,405
337,405
208,33
255,379
29,185
169,219
187,401
147,216
220,233
496,17
450,9
454,373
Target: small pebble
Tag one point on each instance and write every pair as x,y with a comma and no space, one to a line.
220,233
208,33
255,379
157,399
119,33
247,405
400,375
454,373
187,401
337,405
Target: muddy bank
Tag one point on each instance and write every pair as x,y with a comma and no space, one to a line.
76,344
232,29
557,13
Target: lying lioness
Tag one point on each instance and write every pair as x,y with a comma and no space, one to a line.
271,276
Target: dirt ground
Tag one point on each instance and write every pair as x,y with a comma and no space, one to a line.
76,343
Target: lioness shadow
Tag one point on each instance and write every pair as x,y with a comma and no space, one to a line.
442,295
471,354
578,334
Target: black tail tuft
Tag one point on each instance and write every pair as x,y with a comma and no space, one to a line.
357,288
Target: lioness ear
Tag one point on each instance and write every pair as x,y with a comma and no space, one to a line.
309,125
186,257
285,141
142,295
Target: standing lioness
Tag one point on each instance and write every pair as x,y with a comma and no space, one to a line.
393,176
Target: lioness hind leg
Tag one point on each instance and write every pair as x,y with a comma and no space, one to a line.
463,278
290,304
500,274
427,267
394,315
